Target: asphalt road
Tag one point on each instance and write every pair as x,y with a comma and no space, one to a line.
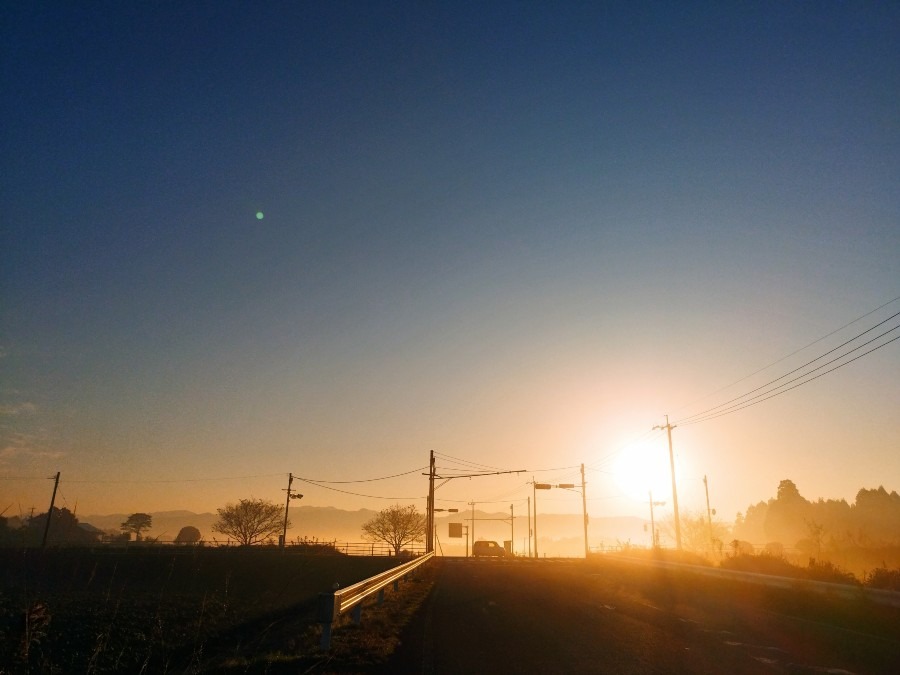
489,616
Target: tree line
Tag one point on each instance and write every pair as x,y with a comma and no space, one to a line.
247,522
789,519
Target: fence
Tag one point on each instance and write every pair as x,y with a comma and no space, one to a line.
332,605
313,546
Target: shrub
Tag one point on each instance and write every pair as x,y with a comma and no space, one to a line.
883,578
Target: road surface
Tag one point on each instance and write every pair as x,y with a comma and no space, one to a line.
521,616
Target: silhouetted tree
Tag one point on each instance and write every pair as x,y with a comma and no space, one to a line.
396,526
876,516
188,535
787,515
695,533
752,526
137,523
250,521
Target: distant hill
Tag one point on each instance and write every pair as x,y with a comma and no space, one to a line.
560,534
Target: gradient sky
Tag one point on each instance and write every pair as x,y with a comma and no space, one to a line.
518,235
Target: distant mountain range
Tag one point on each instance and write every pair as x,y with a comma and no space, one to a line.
560,534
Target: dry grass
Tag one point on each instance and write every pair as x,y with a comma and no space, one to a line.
180,611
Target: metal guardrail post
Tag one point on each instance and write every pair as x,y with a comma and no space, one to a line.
325,617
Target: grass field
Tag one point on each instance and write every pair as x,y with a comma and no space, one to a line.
164,609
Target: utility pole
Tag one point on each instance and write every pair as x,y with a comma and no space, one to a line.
529,527
287,504
512,538
534,490
50,510
587,549
472,528
653,541
708,512
432,475
429,543
668,427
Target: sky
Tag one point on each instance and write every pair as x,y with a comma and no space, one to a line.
241,240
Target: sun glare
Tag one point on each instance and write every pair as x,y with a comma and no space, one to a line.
640,469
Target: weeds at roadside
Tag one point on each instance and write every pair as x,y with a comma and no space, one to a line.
150,611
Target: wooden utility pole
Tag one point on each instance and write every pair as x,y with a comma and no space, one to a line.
512,538
668,427
529,527
429,517
708,512
50,510
587,549
287,504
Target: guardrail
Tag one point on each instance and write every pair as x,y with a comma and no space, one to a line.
332,605
846,591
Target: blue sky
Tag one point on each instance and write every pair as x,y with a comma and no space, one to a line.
513,234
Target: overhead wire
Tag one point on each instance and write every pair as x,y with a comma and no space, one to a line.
686,420
174,480
465,462
748,405
796,351
355,494
361,480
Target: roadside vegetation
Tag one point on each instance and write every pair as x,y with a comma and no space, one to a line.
157,609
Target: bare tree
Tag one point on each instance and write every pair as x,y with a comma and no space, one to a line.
137,523
250,521
396,526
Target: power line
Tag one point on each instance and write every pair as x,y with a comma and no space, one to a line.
347,492
465,462
729,411
808,363
174,480
361,480
796,351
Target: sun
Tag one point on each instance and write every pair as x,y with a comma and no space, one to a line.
640,469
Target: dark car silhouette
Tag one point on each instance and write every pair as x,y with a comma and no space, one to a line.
488,549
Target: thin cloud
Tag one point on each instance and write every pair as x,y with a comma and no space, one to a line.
17,409
21,447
